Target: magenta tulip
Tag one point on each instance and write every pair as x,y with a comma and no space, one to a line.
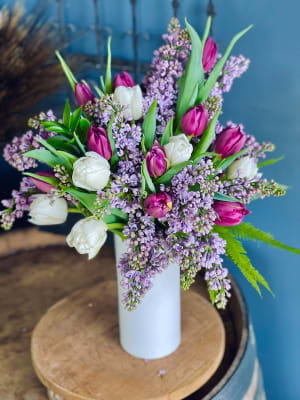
229,213
209,54
41,185
83,94
195,121
98,142
158,204
123,79
156,160
230,141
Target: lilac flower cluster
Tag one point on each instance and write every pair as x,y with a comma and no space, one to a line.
13,152
234,68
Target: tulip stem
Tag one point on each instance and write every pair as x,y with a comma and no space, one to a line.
74,210
115,226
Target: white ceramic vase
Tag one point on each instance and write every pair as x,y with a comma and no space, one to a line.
153,329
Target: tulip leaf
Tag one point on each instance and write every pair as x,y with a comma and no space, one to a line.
87,199
269,162
214,75
147,177
223,197
82,129
108,81
207,137
167,176
149,125
80,145
224,164
71,78
75,118
114,159
61,159
56,127
206,30
70,157
99,91
102,84
43,156
61,143
193,77
110,218
67,114
48,179
117,212
168,132
202,155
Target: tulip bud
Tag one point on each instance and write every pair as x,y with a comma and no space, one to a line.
209,54
229,141
229,213
88,236
45,210
132,100
158,204
123,79
98,142
41,185
83,93
195,121
156,160
178,150
245,167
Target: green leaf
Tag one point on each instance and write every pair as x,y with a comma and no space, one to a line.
110,218
99,91
147,177
149,125
224,164
80,145
214,75
87,199
115,226
236,252
269,162
207,29
212,295
102,84
108,81
61,143
56,127
62,160
168,132
71,78
202,155
223,197
67,114
48,179
43,156
247,231
207,137
117,212
167,176
118,232
114,159
75,118
70,157
82,129
193,77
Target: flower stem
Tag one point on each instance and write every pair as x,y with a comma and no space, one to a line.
74,210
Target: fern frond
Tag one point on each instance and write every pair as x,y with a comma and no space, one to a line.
236,252
247,231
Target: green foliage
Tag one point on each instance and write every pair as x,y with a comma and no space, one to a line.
82,129
61,142
71,78
114,159
75,118
269,162
167,176
224,197
247,231
67,114
147,177
43,156
206,30
118,213
168,132
108,80
149,125
48,179
226,162
87,199
207,137
193,78
56,127
214,75
61,159
236,252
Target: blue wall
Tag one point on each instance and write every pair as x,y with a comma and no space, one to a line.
267,101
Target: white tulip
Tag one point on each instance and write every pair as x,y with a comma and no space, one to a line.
46,210
132,99
245,167
88,236
178,150
91,172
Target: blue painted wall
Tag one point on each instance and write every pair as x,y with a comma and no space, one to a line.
267,101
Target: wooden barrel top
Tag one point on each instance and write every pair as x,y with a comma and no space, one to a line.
37,269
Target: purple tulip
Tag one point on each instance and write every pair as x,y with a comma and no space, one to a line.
41,185
123,79
195,121
156,160
83,94
229,213
209,54
158,204
230,141
98,142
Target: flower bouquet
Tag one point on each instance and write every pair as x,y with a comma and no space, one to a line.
154,165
